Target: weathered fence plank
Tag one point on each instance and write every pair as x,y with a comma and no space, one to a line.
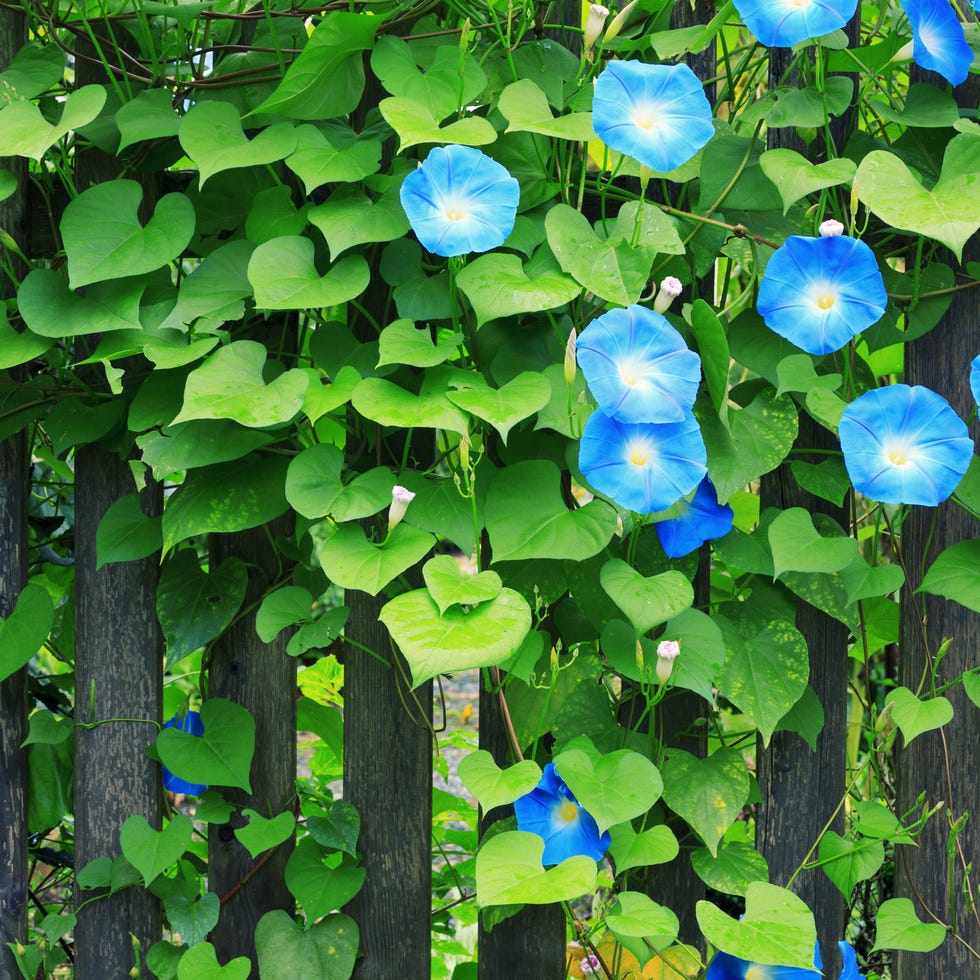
262,678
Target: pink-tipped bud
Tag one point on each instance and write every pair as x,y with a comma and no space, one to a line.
667,652
570,366
594,25
590,966
831,228
400,499
670,289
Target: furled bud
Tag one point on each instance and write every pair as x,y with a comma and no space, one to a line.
667,653
400,499
590,966
670,289
639,656
831,228
619,21
594,24
570,366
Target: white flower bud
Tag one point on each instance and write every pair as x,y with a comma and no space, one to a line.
670,289
667,653
831,228
400,499
570,366
594,24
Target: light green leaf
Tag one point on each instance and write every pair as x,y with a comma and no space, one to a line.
326,950
715,355
51,309
348,218
352,562
641,925
19,347
953,575
332,155
193,918
24,631
527,111
284,276
24,132
262,833
498,286
401,343
212,136
797,373
647,602
708,793
527,518
847,862
151,851
201,963
339,828
222,756
125,533
230,385
450,585
493,786
509,872
914,716
321,888
148,116
898,927
926,106
795,177
949,213
35,67
504,407
434,643
186,447
414,123
629,849
863,580
777,928
732,869
797,546
313,480
385,402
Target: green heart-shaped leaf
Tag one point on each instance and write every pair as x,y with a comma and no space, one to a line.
222,756
630,849
19,346
953,574
200,962
949,213
414,123
641,925
148,116
647,602
846,862
798,547
450,585
193,917
497,285
151,851
313,479
777,928
455,640
898,927
616,788
708,793
504,407
386,403
24,631
284,276
332,155
327,950
795,177
732,869
24,132
51,309
348,218
105,240
319,884
527,111
125,533
493,786
352,562
261,833
509,872
913,716
212,136
401,343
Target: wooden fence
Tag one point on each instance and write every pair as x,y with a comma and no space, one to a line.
388,748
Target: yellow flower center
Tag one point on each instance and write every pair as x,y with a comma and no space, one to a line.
897,458
645,117
568,812
630,374
826,300
639,457
756,972
455,214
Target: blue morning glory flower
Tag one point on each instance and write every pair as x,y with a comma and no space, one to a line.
904,445
657,114
938,41
783,23
638,367
190,722
727,967
975,371
460,201
818,293
551,811
702,519
644,467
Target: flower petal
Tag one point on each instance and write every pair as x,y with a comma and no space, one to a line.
191,723
938,41
703,519
783,23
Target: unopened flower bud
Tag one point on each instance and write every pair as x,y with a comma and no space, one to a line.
590,966
639,656
594,24
619,21
831,228
667,653
464,450
670,289
400,499
570,366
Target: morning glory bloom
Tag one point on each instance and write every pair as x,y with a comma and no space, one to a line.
938,41
638,367
551,811
904,445
975,371
643,467
783,23
818,293
702,519
191,723
727,967
460,201
657,114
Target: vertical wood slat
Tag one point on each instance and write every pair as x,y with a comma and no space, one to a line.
388,777
117,676
944,765
801,788
262,678
14,493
